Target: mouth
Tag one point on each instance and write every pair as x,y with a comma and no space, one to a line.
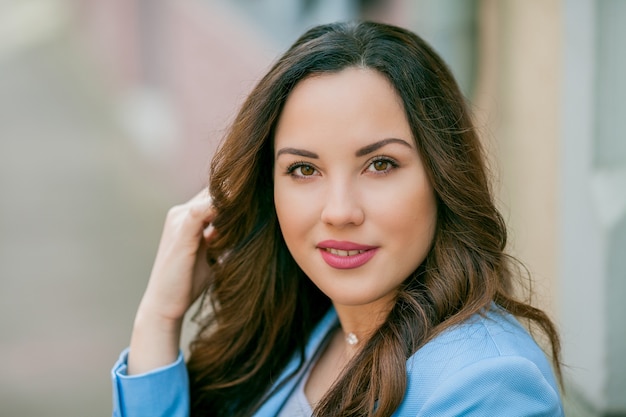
346,255
339,252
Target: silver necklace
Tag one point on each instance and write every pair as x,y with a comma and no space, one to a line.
352,339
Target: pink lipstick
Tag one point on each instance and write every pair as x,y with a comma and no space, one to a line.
345,255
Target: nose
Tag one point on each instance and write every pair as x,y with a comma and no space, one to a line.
342,206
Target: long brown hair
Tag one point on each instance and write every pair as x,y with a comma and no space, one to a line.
263,308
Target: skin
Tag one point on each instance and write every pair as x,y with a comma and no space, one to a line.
366,184
347,169
179,275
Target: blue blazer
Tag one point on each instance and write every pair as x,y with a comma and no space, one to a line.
486,366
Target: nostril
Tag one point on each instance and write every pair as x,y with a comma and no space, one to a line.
340,216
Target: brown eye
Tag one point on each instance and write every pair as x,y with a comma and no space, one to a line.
302,169
381,165
307,170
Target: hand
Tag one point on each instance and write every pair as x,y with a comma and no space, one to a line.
179,276
181,271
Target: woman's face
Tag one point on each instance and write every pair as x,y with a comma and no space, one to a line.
352,197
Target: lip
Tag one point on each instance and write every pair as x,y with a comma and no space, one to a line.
340,260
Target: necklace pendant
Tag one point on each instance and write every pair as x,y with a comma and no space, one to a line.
352,339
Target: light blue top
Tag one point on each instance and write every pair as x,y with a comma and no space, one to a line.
487,366
297,404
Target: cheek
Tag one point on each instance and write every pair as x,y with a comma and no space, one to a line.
291,210
410,215
281,205
407,195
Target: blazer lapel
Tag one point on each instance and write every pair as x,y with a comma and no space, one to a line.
273,404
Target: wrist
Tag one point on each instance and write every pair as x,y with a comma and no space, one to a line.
155,341
149,317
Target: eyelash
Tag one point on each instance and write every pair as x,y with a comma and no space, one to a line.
393,164
291,168
299,164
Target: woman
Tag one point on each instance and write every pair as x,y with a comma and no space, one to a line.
356,260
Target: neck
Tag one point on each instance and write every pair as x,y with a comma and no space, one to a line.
358,323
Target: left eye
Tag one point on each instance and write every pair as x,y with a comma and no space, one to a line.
305,170
381,165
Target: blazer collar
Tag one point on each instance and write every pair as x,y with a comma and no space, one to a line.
273,404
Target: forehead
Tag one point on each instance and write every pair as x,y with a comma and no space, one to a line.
354,102
355,83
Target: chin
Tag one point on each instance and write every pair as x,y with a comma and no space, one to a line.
356,299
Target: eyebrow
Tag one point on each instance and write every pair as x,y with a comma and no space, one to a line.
366,150
299,152
377,145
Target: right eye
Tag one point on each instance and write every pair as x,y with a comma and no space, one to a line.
301,170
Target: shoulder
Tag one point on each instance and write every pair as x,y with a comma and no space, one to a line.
494,334
488,360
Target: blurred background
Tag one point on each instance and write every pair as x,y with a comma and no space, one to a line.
111,110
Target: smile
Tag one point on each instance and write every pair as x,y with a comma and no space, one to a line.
340,252
345,255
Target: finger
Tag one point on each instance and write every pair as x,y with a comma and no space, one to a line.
202,196
208,232
202,211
